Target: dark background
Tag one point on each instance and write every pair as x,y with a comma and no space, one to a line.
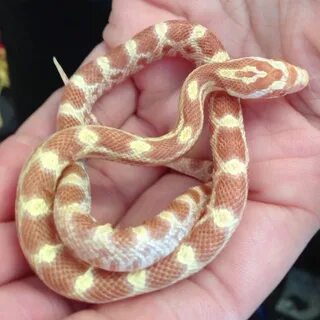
35,31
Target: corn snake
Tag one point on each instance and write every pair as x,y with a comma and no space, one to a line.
53,197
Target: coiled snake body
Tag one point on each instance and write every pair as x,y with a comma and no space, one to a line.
83,260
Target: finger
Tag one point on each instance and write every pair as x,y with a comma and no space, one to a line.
283,147
109,201
157,198
30,299
123,25
275,130
291,182
43,121
14,265
14,150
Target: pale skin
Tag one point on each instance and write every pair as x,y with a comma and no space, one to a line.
284,176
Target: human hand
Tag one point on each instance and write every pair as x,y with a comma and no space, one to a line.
283,139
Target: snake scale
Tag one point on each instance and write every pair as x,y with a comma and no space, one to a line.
80,258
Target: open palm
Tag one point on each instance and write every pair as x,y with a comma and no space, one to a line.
284,176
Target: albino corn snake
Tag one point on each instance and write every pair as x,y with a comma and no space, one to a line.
53,197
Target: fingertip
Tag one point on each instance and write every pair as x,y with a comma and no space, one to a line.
14,150
30,299
7,194
14,266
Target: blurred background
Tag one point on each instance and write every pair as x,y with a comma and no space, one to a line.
31,33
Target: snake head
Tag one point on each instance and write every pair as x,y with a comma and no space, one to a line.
264,78
288,77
